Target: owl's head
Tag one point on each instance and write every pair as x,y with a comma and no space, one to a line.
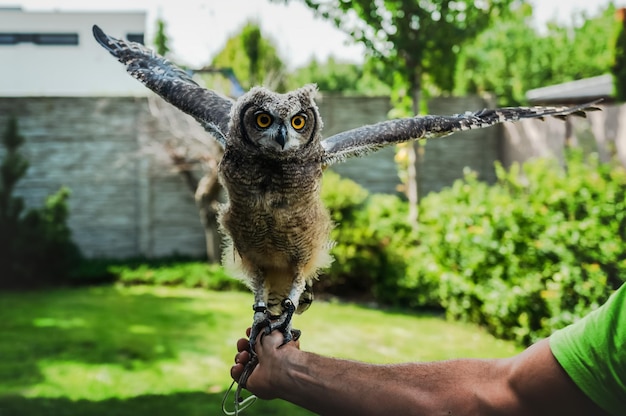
276,123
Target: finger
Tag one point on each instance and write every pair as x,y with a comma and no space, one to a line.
242,358
236,370
248,332
272,340
243,344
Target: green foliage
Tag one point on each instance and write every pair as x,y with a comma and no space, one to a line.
334,76
619,65
170,271
511,57
253,58
36,246
355,252
185,274
526,257
413,38
370,238
161,39
252,45
530,254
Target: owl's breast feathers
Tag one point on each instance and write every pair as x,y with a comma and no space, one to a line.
274,214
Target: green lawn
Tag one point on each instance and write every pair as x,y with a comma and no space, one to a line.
166,351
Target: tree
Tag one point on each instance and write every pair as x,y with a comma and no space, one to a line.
414,38
252,45
591,46
619,66
253,58
504,60
191,151
195,155
161,39
341,77
511,57
13,168
36,246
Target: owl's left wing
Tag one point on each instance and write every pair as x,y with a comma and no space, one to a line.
173,84
366,139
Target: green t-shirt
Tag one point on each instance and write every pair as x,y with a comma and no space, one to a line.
593,352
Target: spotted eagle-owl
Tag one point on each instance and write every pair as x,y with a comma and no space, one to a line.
276,226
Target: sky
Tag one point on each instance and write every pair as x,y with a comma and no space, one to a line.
198,29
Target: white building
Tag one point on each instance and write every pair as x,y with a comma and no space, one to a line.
54,54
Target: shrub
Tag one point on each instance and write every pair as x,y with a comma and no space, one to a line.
373,240
530,254
193,274
166,271
524,257
36,246
356,254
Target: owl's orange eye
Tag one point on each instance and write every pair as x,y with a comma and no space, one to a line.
298,122
263,120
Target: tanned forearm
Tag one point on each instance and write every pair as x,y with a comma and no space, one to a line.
330,386
531,383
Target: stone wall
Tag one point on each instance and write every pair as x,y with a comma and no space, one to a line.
122,204
443,160
377,171
127,202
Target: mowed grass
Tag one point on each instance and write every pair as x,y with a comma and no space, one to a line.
168,351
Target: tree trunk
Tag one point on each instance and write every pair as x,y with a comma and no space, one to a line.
206,197
195,156
414,151
206,192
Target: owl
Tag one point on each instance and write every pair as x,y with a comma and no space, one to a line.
276,227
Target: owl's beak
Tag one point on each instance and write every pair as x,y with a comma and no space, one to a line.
281,137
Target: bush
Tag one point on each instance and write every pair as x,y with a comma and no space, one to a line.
530,254
524,257
188,274
38,249
170,271
356,254
372,238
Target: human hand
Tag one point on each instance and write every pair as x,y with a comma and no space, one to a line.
273,363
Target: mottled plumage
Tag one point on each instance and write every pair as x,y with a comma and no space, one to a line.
274,155
274,216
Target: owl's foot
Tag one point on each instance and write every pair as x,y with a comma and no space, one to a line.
261,322
283,323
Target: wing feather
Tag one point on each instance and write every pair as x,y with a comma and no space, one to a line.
366,139
170,82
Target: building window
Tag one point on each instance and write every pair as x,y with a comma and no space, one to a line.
39,38
57,39
135,37
7,39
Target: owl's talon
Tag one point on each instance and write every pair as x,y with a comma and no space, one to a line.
283,323
295,334
291,335
288,305
261,322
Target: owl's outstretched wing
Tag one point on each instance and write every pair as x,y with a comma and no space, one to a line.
170,82
366,139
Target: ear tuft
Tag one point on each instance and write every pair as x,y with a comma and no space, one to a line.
310,89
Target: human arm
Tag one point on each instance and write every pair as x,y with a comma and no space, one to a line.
531,383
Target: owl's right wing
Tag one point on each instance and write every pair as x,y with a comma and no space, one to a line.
173,84
366,139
